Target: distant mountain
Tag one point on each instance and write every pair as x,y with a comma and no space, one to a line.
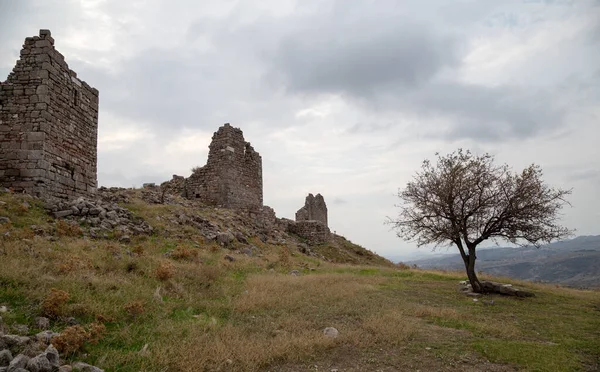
575,262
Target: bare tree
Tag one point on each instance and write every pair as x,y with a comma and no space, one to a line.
465,199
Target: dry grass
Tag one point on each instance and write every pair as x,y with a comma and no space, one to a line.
194,311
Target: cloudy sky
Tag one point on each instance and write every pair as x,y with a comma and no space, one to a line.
342,98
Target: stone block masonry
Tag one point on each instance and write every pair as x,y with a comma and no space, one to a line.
311,221
232,176
314,209
48,125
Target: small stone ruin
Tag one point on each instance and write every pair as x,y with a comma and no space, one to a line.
314,209
311,221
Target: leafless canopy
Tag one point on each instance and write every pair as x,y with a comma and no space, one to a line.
466,199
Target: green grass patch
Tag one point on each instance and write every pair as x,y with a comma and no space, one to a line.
530,356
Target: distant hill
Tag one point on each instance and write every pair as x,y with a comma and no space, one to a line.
575,262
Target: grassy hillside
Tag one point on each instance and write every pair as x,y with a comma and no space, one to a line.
173,302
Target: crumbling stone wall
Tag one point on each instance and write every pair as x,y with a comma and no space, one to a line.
232,176
314,209
48,125
313,231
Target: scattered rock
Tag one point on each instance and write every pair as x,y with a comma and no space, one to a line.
20,361
295,273
39,364
225,238
14,341
4,220
100,214
46,336
52,356
65,368
229,258
84,367
71,321
125,239
5,358
3,309
241,238
331,332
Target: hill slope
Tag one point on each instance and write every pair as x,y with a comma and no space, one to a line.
574,262
172,301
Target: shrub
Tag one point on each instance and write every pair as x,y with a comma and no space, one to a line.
138,250
53,304
70,340
402,266
185,254
284,258
165,271
96,332
134,308
64,228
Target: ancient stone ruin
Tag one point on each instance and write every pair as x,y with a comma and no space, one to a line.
232,176
311,221
314,209
48,125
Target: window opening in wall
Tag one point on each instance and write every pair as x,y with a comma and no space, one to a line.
75,97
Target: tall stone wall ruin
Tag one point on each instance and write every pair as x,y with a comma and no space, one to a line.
232,176
314,209
48,125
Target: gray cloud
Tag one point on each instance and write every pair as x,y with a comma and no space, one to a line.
361,56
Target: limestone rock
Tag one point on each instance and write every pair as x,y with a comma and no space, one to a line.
20,361
39,364
5,358
42,323
225,238
52,356
331,332
229,258
84,367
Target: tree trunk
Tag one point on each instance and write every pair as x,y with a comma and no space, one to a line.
470,266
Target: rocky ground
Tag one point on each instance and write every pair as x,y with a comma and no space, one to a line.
23,352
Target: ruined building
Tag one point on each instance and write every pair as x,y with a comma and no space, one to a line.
311,221
232,176
48,125
314,209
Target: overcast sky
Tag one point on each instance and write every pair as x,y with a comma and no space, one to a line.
342,98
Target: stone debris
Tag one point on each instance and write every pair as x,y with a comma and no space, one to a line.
45,360
229,258
42,322
100,215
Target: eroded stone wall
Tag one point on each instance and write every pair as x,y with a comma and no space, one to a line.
314,209
315,232
232,176
48,125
